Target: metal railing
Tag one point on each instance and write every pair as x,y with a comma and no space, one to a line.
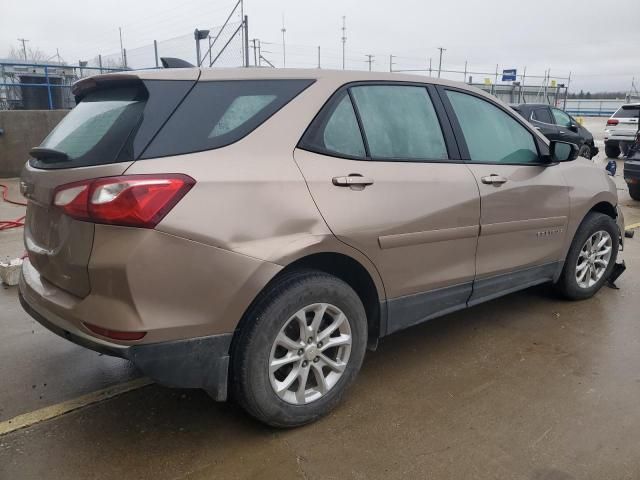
41,86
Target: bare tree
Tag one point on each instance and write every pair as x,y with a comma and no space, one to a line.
34,55
108,62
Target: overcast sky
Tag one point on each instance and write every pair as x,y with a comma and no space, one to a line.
597,41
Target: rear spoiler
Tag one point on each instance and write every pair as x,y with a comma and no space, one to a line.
86,85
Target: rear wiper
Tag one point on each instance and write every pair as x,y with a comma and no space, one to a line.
48,154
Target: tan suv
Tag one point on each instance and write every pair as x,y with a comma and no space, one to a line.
258,229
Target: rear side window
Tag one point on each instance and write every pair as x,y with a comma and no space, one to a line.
399,122
491,135
629,112
217,113
542,115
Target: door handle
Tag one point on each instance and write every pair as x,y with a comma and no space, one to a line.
354,180
494,179
562,133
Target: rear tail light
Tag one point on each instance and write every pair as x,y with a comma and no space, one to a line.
612,121
130,200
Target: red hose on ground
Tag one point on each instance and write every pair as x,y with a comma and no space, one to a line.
18,222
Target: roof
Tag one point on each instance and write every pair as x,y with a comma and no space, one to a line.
341,76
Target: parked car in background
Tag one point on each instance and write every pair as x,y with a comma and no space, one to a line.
257,229
621,129
556,124
632,169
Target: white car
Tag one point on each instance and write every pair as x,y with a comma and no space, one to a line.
621,129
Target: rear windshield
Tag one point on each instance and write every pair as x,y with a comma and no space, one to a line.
113,124
98,126
218,113
628,112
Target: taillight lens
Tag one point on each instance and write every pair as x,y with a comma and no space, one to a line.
130,200
612,121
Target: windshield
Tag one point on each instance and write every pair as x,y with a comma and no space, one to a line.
632,111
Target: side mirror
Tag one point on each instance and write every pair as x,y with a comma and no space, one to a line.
573,127
563,151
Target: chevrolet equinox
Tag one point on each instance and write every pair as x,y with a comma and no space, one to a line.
251,232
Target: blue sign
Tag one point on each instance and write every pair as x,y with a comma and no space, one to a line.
509,75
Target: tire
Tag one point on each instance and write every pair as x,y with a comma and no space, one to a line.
612,151
255,349
585,151
568,284
634,192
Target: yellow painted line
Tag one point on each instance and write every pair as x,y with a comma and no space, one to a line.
632,226
47,413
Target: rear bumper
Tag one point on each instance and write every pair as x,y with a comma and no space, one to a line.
201,362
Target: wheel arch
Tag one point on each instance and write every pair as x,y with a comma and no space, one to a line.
349,270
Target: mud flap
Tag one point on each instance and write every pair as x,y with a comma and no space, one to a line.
618,269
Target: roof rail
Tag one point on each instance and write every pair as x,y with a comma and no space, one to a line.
171,62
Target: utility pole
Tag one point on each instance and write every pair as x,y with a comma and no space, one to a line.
370,60
24,47
430,69
440,62
391,62
255,52
284,52
319,57
344,38
121,47
465,71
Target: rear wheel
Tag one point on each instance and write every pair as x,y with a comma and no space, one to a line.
634,191
612,151
585,151
591,257
301,347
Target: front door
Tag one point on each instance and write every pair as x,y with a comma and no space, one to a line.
525,201
386,178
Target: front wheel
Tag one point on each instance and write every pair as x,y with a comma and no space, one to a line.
585,151
300,348
634,191
591,257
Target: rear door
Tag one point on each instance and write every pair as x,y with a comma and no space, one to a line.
382,166
525,202
100,137
542,120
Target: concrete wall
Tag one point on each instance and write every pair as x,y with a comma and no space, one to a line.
23,130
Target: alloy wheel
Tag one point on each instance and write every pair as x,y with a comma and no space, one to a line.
594,259
310,353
